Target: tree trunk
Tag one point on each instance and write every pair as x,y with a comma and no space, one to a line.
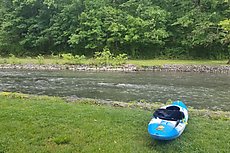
228,61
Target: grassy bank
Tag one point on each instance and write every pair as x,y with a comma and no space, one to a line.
153,62
183,62
46,124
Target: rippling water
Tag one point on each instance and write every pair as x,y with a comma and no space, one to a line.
200,90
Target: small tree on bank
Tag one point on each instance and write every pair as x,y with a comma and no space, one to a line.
225,24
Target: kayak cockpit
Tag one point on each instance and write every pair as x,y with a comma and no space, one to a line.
170,113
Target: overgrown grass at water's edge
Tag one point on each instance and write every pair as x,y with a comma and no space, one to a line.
49,124
70,59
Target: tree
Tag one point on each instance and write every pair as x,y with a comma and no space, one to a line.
121,29
225,24
63,23
193,27
139,28
23,25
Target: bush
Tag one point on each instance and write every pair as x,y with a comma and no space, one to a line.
71,59
106,58
79,59
120,59
67,56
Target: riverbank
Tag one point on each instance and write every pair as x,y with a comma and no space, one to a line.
57,63
123,68
50,124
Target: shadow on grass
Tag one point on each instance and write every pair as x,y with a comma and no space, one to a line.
160,143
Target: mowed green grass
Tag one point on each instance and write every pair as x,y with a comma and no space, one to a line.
52,125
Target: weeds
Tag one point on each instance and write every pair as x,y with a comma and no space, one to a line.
13,59
104,58
56,58
40,59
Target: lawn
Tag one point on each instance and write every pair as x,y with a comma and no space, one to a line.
47,124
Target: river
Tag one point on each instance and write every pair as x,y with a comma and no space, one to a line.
199,90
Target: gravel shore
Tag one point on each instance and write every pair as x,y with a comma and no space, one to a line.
124,68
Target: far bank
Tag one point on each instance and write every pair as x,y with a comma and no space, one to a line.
123,68
116,63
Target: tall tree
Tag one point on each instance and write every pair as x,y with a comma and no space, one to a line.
140,28
193,26
116,28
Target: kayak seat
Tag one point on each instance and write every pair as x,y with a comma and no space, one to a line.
173,108
166,114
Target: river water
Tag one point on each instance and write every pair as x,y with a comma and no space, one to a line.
199,90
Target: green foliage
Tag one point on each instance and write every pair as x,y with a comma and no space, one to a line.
120,59
225,24
67,56
71,59
143,28
79,59
114,28
106,58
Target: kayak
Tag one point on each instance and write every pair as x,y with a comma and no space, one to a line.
169,121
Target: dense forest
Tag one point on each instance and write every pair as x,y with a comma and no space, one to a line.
140,28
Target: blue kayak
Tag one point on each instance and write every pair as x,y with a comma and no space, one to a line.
169,121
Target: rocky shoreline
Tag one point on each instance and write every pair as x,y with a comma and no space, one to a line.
124,68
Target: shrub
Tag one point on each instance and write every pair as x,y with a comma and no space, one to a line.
79,59
106,58
120,59
67,56
71,59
